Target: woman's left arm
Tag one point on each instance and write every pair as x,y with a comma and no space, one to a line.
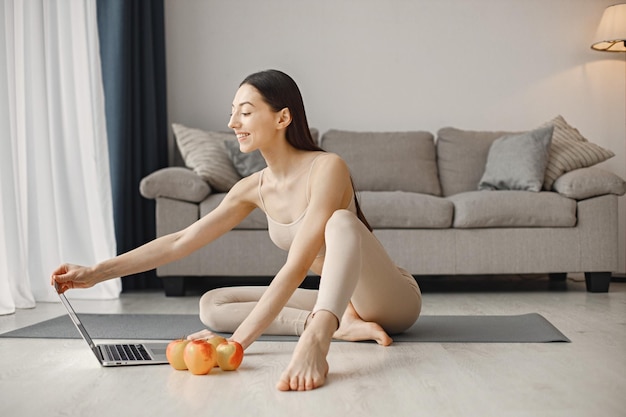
331,190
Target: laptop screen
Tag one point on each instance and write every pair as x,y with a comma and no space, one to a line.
79,326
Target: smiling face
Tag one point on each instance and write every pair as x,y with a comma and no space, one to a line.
255,123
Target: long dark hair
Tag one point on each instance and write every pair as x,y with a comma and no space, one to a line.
280,91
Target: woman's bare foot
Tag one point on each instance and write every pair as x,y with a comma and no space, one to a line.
353,329
308,367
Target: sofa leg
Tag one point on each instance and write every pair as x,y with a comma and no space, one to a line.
597,281
174,286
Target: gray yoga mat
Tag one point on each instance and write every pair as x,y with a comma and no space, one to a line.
525,328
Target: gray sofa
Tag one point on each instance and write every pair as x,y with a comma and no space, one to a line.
421,197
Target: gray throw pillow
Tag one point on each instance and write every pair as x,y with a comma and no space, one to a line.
518,162
245,163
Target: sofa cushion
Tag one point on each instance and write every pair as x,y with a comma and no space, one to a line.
570,150
205,153
487,209
177,183
256,219
589,182
461,158
387,161
517,162
403,210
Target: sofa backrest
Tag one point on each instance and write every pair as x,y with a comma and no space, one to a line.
461,158
387,161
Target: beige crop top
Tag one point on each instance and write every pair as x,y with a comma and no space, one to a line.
282,234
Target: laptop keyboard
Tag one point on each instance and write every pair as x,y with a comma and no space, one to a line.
127,352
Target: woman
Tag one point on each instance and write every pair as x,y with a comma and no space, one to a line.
312,211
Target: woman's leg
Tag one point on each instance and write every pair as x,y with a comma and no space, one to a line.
223,309
356,268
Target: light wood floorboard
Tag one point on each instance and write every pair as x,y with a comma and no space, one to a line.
584,378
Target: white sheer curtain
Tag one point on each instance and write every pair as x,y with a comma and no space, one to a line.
55,194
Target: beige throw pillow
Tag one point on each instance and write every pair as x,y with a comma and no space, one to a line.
570,151
205,153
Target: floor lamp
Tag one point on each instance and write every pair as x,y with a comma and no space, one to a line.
611,37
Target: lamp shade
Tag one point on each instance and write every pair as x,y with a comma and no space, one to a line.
611,33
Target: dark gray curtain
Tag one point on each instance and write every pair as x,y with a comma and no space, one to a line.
132,51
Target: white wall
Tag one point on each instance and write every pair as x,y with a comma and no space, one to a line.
406,65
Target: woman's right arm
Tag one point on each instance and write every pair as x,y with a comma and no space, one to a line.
237,204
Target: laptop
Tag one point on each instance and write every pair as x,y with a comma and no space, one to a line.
119,354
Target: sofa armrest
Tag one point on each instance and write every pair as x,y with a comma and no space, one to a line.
175,182
583,183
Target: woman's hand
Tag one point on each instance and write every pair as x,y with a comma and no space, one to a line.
69,276
202,334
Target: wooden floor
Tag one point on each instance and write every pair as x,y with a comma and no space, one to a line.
584,378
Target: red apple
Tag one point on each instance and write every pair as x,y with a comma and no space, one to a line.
174,353
229,355
200,357
216,341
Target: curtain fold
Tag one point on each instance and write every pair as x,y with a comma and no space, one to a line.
55,192
132,48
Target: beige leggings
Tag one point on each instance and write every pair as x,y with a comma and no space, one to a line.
356,269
